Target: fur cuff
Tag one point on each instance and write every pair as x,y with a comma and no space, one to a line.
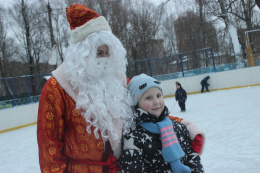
193,129
59,75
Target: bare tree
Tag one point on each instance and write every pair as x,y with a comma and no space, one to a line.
191,36
60,30
202,20
237,15
169,35
7,50
30,31
244,15
142,28
242,10
145,30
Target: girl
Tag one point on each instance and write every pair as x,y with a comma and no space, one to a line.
156,144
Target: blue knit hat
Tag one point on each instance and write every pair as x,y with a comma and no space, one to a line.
139,84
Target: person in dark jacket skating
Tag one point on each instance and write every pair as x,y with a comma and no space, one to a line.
156,144
204,83
180,96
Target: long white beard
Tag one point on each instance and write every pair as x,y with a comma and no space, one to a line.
104,99
98,68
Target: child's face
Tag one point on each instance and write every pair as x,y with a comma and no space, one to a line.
152,101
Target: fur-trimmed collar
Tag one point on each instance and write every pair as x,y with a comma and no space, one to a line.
59,75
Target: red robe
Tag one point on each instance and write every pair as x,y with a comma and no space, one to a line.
62,136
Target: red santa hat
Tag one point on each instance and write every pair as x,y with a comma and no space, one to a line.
83,22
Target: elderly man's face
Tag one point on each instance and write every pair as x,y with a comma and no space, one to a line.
103,51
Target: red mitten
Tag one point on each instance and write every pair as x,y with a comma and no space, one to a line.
197,143
196,135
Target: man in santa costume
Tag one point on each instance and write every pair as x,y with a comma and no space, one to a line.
84,107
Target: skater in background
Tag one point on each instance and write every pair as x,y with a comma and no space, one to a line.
180,96
204,84
156,144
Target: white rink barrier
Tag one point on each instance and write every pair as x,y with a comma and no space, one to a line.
21,116
18,116
218,81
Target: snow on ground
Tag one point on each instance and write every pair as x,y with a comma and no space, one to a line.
229,118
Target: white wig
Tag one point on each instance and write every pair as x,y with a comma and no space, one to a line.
101,82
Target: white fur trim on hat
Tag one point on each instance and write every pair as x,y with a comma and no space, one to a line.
94,25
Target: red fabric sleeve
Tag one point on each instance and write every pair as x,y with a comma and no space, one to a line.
128,80
197,143
50,129
175,118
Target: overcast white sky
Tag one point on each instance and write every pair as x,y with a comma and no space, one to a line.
6,3
184,3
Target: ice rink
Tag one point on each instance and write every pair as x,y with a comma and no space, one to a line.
230,120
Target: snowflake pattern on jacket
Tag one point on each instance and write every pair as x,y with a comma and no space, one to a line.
142,149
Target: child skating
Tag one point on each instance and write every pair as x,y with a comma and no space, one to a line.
181,96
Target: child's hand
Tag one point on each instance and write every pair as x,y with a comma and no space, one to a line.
197,136
197,144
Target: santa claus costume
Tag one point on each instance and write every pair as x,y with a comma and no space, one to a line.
84,107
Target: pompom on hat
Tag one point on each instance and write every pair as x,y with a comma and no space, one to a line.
83,22
139,84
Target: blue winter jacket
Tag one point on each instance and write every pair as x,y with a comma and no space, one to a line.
181,95
205,81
